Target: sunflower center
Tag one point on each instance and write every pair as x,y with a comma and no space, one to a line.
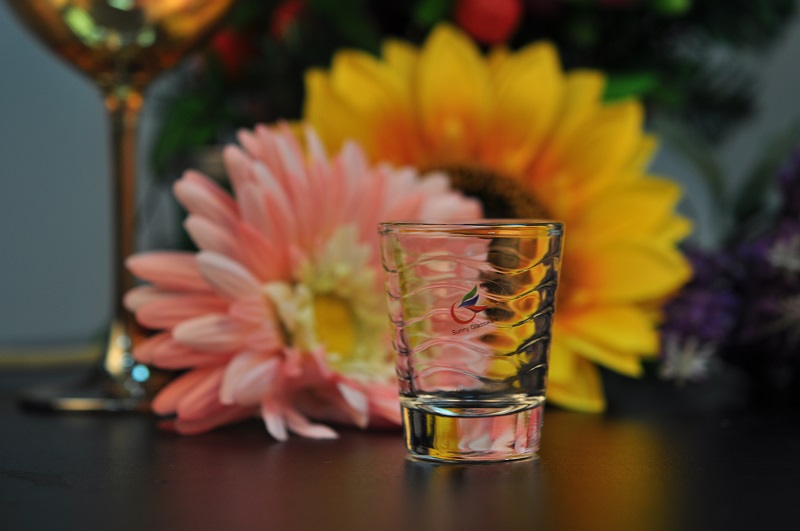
502,196
335,325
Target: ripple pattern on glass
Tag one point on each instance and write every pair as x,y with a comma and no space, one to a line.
471,316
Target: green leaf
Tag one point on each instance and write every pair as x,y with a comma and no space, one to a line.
672,8
630,85
428,12
187,125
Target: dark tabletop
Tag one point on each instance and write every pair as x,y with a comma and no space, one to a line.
662,470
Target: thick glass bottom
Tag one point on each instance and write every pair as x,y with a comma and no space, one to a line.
489,438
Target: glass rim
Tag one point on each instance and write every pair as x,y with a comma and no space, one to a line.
556,227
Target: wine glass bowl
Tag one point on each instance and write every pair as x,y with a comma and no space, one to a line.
121,43
122,46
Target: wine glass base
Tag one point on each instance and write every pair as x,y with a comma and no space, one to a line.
97,392
118,383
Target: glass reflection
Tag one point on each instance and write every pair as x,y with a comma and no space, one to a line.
473,496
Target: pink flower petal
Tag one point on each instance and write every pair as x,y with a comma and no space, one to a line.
211,333
144,351
265,337
251,144
173,270
202,197
140,295
170,310
354,162
291,157
166,402
318,358
316,150
282,220
301,426
258,383
202,399
213,237
171,354
238,369
239,365
262,257
227,276
176,360
251,309
254,211
358,404
272,414
384,403
293,367
269,151
238,165
268,183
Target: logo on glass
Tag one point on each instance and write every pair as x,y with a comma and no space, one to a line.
468,302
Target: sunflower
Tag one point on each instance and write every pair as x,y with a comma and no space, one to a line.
530,140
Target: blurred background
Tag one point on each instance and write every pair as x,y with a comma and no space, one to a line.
721,80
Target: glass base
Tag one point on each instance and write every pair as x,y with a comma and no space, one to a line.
118,383
97,392
437,437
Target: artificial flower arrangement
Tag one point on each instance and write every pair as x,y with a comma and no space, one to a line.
281,315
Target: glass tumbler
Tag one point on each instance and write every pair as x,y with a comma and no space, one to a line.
471,308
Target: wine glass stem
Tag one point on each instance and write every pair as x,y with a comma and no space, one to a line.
123,106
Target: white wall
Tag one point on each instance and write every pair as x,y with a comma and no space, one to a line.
54,196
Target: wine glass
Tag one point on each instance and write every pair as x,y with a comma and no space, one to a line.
122,45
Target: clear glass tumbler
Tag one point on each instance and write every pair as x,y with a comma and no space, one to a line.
471,307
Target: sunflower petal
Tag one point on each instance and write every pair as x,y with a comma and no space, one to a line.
623,362
583,392
594,157
624,328
401,57
452,121
630,272
561,365
326,111
527,91
646,206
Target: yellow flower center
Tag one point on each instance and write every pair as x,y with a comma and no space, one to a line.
502,196
335,325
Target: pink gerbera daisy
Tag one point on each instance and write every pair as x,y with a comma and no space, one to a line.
281,313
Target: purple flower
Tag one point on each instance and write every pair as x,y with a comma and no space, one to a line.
769,283
699,320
